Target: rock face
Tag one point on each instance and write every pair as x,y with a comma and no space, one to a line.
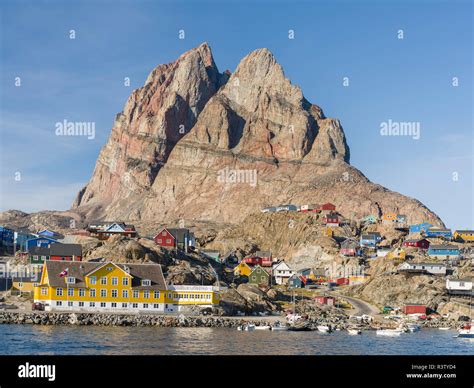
246,141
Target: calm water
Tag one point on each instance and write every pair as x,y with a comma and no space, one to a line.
30,339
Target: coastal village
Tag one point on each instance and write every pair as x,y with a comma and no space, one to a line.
56,276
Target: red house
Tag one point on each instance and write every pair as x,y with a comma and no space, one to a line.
165,239
253,260
328,206
65,252
342,281
414,309
267,258
175,238
328,300
417,243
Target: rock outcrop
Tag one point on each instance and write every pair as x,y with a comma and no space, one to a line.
194,144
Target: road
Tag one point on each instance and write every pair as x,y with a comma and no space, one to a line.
360,307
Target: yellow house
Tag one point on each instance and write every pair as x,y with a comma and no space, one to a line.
25,284
87,286
389,217
464,235
357,279
397,254
242,269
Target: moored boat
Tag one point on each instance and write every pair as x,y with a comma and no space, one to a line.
389,332
353,331
412,327
324,329
247,327
279,327
466,332
263,327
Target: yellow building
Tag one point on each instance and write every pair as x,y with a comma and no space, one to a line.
464,235
357,279
242,269
25,284
397,254
389,217
87,286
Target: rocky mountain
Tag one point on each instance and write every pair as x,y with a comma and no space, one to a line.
195,144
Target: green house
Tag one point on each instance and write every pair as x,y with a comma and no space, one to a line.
259,276
371,219
38,255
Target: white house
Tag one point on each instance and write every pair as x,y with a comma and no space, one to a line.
459,286
383,251
282,272
431,268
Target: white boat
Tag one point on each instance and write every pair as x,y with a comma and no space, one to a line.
412,327
263,327
279,326
247,327
324,329
354,331
466,332
444,328
389,332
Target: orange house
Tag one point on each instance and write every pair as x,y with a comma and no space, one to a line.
389,217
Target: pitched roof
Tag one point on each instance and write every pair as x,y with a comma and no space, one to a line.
40,251
79,270
263,254
65,249
179,233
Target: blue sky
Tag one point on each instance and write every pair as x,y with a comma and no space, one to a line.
405,80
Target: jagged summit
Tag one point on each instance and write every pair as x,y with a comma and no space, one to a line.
168,149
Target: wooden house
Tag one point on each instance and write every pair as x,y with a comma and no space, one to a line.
211,254
350,247
331,219
389,217
65,252
327,300
459,286
414,309
242,269
420,243
296,281
368,240
397,254
370,219
40,242
464,235
267,258
422,268
49,233
438,232
175,238
309,208
282,272
418,228
259,276
444,251
327,207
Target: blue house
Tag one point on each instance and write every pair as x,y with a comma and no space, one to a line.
40,242
418,228
444,251
49,233
439,232
6,240
295,281
368,240
21,237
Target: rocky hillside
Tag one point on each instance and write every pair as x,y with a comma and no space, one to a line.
195,144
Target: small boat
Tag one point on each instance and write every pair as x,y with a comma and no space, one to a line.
263,327
324,329
279,326
444,328
389,332
247,327
466,332
412,327
300,325
354,331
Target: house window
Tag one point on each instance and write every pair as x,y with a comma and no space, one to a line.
70,292
103,304
91,304
70,280
156,294
125,281
103,280
135,305
59,291
81,304
156,306
160,241
114,293
59,303
254,278
124,305
103,293
20,285
93,280
82,292
114,281
124,293
146,294
110,268
461,284
136,294
44,291
168,241
163,233
114,304
146,282
92,293
70,304
145,305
